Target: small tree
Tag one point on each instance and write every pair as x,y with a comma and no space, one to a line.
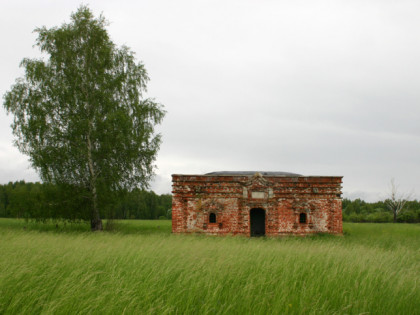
396,201
81,116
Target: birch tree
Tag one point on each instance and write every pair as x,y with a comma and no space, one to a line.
81,115
396,200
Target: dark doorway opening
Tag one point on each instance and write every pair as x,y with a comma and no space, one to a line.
257,216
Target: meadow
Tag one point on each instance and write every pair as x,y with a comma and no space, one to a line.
139,267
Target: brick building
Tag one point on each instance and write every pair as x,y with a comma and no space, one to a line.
256,203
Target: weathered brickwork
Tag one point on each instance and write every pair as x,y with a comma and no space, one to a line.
256,205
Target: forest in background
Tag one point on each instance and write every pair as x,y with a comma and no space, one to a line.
361,211
40,201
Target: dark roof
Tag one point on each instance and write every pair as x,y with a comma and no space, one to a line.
250,173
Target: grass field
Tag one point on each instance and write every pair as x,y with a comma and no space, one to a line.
139,267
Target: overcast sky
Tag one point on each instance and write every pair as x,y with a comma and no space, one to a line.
311,87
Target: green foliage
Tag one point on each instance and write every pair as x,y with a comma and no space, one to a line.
141,204
81,115
138,268
45,201
361,211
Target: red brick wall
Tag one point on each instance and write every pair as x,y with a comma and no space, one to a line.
232,197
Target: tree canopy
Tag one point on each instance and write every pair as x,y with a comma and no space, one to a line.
82,116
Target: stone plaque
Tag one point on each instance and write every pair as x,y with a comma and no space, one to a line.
258,195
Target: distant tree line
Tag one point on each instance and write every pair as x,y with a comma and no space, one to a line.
361,211
41,201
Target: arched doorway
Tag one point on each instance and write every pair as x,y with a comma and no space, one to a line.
257,217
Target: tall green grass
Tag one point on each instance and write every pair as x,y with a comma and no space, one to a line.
139,267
